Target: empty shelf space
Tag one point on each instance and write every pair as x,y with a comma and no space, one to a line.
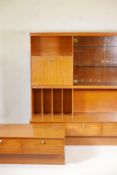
57,101
37,101
67,101
47,101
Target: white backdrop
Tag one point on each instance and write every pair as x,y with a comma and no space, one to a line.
17,19
20,17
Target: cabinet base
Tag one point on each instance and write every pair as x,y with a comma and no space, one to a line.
31,159
91,140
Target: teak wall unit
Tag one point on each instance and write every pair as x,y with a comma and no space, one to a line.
74,81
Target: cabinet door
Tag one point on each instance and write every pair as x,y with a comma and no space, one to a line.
67,77
37,70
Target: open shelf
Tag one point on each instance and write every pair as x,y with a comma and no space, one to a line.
37,101
52,102
57,101
78,117
47,101
67,101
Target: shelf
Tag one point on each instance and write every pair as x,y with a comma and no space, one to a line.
90,86
96,66
78,117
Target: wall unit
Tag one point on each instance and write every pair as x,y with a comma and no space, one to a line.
74,81
32,144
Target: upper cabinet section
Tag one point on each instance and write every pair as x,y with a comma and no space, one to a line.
51,46
95,60
51,60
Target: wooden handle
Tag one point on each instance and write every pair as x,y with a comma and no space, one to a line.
43,142
1,141
83,125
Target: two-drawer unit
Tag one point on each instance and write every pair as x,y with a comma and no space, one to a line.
42,143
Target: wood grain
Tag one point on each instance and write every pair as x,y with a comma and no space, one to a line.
83,129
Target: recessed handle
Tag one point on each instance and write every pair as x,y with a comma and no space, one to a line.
1,141
43,142
83,125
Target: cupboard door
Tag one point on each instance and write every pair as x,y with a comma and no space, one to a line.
67,77
52,70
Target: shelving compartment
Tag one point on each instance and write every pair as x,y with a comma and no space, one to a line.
47,101
95,60
67,101
37,102
57,101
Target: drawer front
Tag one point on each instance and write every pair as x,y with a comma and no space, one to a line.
109,129
10,146
83,129
42,146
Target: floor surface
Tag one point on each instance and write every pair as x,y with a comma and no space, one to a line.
80,160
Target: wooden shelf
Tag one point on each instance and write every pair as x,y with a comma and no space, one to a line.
76,87
77,117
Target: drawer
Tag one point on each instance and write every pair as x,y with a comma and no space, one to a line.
10,146
43,146
109,129
83,129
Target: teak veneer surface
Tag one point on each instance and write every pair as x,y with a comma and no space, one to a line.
50,131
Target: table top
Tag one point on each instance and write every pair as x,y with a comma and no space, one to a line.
46,130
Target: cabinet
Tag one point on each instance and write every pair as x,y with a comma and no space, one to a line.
32,144
74,81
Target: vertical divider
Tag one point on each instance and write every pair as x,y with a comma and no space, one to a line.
72,103
52,111
42,103
62,104
73,60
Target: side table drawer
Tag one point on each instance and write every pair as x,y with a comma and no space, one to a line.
10,146
43,146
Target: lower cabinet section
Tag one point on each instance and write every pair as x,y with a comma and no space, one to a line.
83,129
42,146
42,151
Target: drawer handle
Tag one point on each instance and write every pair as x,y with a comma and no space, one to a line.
1,141
43,142
83,125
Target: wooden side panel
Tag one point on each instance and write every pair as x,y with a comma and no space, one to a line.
109,129
83,129
95,100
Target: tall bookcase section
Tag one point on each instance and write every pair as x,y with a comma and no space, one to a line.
74,81
51,70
